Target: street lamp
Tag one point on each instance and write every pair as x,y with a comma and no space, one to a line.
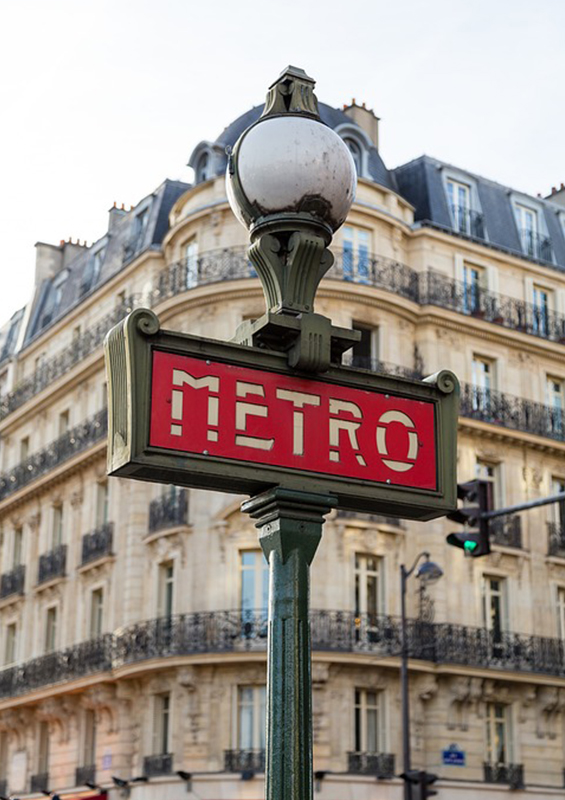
429,572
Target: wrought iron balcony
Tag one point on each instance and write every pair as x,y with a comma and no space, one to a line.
381,765
52,564
556,535
159,764
509,411
377,519
383,367
511,774
468,221
97,543
53,368
84,775
506,531
536,245
13,583
39,782
244,761
74,441
169,511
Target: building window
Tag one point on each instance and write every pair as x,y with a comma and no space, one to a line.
89,738
488,471
201,169
43,748
497,738
557,510
482,376
166,589
474,287
554,391
560,608
96,612
57,528
251,720
365,352
140,226
101,503
10,646
356,252
254,583
50,629
18,547
191,255
161,730
368,721
541,304
24,448
494,606
356,154
368,585
459,196
3,754
64,419
527,221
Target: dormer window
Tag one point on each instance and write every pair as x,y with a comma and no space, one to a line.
201,169
464,216
535,243
355,150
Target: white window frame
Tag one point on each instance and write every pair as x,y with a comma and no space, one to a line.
96,617
491,471
11,644
488,594
166,589
363,707
364,573
162,710
51,629
57,525
259,570
191,261
356,252
498,713
257,706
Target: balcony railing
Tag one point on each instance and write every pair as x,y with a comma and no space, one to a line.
53,368
509,411
468,221
382,367
332,631
13,583
511,774
556,535
381,765
84,775
74,441
98,543
39,782
168,511
506,531
52,564
244,761
159,764
536,245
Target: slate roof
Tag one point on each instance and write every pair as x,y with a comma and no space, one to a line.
130,233
422,183
9,335
333,118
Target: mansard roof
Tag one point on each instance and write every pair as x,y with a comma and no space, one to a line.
423,183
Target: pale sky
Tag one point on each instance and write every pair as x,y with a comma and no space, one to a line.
101,101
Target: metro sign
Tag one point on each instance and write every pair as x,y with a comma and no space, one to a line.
208,414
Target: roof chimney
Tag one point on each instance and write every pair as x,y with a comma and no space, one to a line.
366,119
557,195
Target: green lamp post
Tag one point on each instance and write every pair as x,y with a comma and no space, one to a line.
291,180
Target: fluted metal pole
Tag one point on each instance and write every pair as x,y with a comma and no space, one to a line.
290,525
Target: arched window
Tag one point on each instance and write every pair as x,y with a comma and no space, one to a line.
355,150
201,169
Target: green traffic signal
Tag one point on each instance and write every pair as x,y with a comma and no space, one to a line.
470,546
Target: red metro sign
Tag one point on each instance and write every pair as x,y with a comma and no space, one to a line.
233,412
231,418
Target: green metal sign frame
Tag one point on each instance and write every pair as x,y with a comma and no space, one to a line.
129,352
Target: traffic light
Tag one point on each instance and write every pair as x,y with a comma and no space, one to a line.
478,497
420,783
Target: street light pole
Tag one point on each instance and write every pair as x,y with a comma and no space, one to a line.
429,572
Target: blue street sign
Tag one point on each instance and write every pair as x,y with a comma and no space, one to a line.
453,757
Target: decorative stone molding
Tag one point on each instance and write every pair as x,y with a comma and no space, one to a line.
550,702
58,712
320,673
102,700
18,723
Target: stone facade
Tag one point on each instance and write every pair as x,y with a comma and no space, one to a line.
132,620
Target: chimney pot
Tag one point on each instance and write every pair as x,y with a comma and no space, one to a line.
123,207
62,243
563,186
353,101
115,206
553,190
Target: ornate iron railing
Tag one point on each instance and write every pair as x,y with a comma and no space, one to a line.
84,775
244,761
511,774
52,564
72,442
39,782
466,220
13,583
332,631
556,543
375,518
168,511
509,411
381,765
506,531
159,764
97,543
382,367
53,368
